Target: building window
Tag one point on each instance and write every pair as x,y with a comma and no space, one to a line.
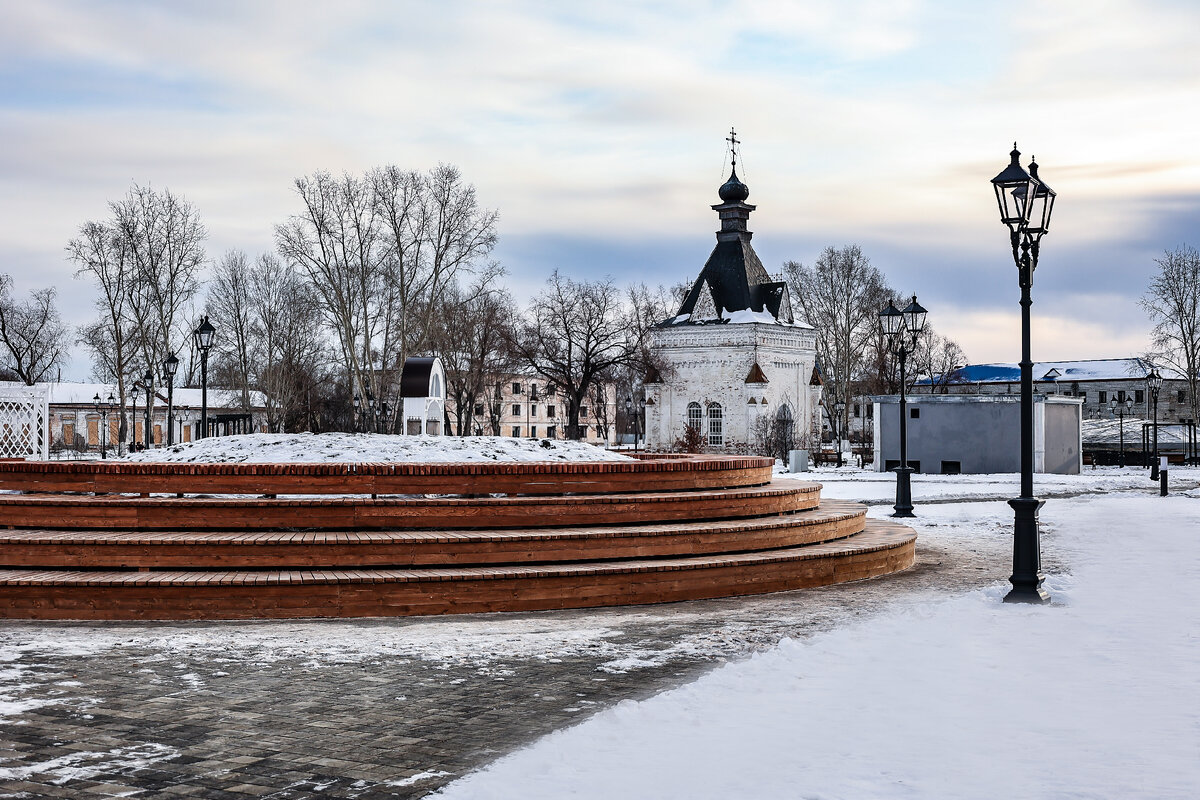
533,431
1181,396
516,431
857,411
870,411
552,432
533,411
716,426
550,412
583,412
695,416
599,433
551,390
516,388
1103,397
914,413
533,395
1120,396
1139,396
479,409
516,410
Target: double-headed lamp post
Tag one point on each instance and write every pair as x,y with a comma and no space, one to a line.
902,329
1154,383
204,334
1026,203
170,367
1119,409
103,407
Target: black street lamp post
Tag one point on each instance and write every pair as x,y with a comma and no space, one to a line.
1026,203
204,334
148,431
1153,384
839,408
902,329
170,366
1120,409
133,393
103,407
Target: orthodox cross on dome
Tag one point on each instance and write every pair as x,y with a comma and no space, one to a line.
733,143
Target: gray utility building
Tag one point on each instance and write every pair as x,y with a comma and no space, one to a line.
978,433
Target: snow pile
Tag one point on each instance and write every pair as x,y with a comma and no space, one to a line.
370,447
1096,695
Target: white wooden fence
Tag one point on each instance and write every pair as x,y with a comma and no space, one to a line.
25,422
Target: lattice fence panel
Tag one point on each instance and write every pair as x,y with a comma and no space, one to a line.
25,422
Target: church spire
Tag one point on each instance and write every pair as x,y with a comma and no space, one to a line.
733,209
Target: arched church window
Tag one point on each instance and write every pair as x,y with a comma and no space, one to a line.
716,425
695,416
435,386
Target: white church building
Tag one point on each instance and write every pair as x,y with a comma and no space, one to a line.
734,358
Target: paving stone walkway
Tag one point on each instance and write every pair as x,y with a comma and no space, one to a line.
381,708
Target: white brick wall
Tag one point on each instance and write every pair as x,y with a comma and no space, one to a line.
708,364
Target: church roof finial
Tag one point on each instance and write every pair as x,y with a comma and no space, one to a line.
733,190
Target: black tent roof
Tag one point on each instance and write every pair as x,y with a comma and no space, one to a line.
414,378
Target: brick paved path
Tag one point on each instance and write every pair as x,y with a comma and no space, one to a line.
380,708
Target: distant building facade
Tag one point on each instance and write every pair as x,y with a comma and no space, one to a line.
520,406
76,424
1096,382
736,364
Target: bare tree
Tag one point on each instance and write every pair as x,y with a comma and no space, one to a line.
290,352
574,334
101,252
436,238
164,245
336,241
1172,301
230,306
33,336
472,336
381,252
840,295
935,360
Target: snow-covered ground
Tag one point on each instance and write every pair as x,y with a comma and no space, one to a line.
1094,696
369,447
906,687
866,486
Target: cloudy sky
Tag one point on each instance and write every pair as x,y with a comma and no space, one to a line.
597,132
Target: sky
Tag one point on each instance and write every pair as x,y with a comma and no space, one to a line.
597,132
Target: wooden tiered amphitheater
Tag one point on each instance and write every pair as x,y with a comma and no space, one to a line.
112,540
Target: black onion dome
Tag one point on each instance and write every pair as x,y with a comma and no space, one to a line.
733,190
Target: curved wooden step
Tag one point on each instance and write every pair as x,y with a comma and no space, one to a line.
140,513
832,519
549,477
882,547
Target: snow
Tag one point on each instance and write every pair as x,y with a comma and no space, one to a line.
1095,695
369,447
749,315
868,486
